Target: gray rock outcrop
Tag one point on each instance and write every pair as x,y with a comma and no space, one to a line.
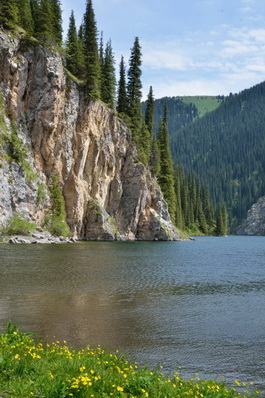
254,224
108,194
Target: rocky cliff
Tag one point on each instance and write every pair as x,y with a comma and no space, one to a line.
254,224
48,130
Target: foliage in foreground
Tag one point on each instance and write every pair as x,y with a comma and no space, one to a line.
32,369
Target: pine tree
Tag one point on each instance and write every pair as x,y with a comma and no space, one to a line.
101,53
149,112
134,93
166,175
43,22
8,13
91,54
74,51
179,219
122,106
154,162
56,14
34,7
221,220
25,16
134,85
108,78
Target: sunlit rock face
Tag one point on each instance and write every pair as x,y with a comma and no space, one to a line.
108,194
254,224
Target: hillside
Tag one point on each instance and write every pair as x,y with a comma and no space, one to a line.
226,149
183,110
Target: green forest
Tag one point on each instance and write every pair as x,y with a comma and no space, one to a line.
90,62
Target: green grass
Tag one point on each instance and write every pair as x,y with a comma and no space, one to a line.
29,368
204,103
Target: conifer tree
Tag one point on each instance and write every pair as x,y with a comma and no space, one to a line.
74,51
92,67
166,175
122,105
108,78
101,53
56,14
134,85
44,22
8,13
34,7
134,93
179,220
221,220
154,162
149,112
25,16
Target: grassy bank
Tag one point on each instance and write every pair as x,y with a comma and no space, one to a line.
31,369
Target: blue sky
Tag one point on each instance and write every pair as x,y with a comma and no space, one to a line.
189,47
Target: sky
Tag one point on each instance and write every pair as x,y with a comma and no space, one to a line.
189,47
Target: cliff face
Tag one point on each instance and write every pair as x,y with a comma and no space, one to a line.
254,224
108,195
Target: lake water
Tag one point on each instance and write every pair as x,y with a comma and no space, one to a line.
195,304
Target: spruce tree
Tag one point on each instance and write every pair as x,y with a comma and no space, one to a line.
101,53
122,105
34,7
221,220
134,85
134,93
8,13
74,51
25,16
56,14
44,22
149,112
166,175
108,78
154,162
91,54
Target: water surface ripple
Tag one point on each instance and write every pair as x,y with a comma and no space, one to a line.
199,305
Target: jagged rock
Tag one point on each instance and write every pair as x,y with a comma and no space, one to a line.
108,194
254,224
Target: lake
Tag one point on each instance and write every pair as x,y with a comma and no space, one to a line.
195,304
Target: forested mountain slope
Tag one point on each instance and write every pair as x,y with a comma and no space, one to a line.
183,110
225,148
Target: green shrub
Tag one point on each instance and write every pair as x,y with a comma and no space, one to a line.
56,226
18,225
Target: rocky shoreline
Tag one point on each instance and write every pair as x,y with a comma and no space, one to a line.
43,237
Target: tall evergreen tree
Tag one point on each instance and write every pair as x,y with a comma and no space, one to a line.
122,105
8,13
134,85
154,162
25,16
91,54
149,112
101,53
74,50
44,22
34,7
166,175
221,220
108,78
56,14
